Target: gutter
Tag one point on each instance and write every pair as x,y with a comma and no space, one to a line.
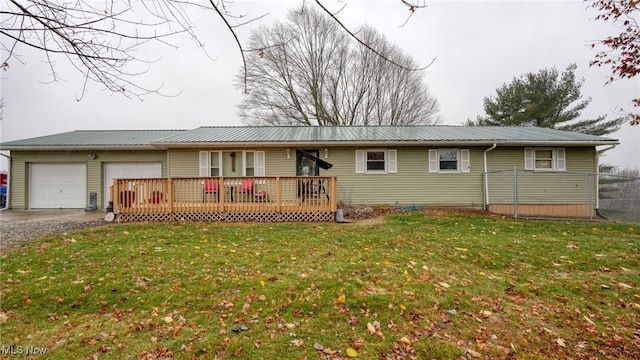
597,208
486,177
6,204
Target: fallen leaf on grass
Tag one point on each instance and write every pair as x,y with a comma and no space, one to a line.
560,342
341,299
297,342
588,320
474,354
351,352
444,285
371,329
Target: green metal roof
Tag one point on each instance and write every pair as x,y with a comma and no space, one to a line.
92,139
299,135
401,135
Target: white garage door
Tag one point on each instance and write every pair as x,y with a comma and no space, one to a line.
129,170
58,186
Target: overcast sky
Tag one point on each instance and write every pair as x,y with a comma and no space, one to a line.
478,46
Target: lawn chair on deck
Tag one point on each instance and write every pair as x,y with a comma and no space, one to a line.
211,186
246,190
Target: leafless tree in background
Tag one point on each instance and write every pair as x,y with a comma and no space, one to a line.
307,71
103,39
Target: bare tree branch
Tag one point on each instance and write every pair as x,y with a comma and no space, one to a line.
369,46
316,75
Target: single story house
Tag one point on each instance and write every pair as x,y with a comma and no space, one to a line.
510,170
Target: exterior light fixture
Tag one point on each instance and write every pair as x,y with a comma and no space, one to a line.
326,153
288,153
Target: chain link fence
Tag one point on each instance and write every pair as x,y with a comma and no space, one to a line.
620,197
567,194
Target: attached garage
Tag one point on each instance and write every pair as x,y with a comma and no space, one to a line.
57,186
129,170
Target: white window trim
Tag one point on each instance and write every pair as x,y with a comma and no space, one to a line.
258,162
558,159
463,158
390,161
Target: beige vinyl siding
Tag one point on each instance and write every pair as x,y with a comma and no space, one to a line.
277,164
573,186
20,163
411,185
184,163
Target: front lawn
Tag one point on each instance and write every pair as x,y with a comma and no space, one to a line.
423,285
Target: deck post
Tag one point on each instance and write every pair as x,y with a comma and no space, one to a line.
334,194
170,197
221,194
278,195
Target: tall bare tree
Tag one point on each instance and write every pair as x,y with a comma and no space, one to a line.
307,71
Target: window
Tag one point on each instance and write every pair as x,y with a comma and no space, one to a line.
249,166
449,160
544,159
376,161
212,164
214,167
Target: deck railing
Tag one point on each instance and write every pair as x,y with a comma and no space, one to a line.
225,198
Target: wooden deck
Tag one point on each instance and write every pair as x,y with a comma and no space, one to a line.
271,199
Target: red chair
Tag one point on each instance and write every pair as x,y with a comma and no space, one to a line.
210,187
246,189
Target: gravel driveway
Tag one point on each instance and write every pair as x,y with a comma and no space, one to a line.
19,227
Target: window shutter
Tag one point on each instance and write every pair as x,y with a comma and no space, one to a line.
258,159
561,163
393,161
433,160
359,161
465,160
204,163
528,158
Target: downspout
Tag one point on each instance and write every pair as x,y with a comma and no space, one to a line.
486,177
6,203
597,209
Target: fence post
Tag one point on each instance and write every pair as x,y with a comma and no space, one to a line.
515,192
591,197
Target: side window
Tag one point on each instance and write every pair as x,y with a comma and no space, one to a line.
376,161
544,159
449,161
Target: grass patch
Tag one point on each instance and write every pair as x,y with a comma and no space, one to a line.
423,285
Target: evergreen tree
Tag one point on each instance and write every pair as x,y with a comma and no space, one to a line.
545,99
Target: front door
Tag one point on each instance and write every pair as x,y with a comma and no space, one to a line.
306,166
232,163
